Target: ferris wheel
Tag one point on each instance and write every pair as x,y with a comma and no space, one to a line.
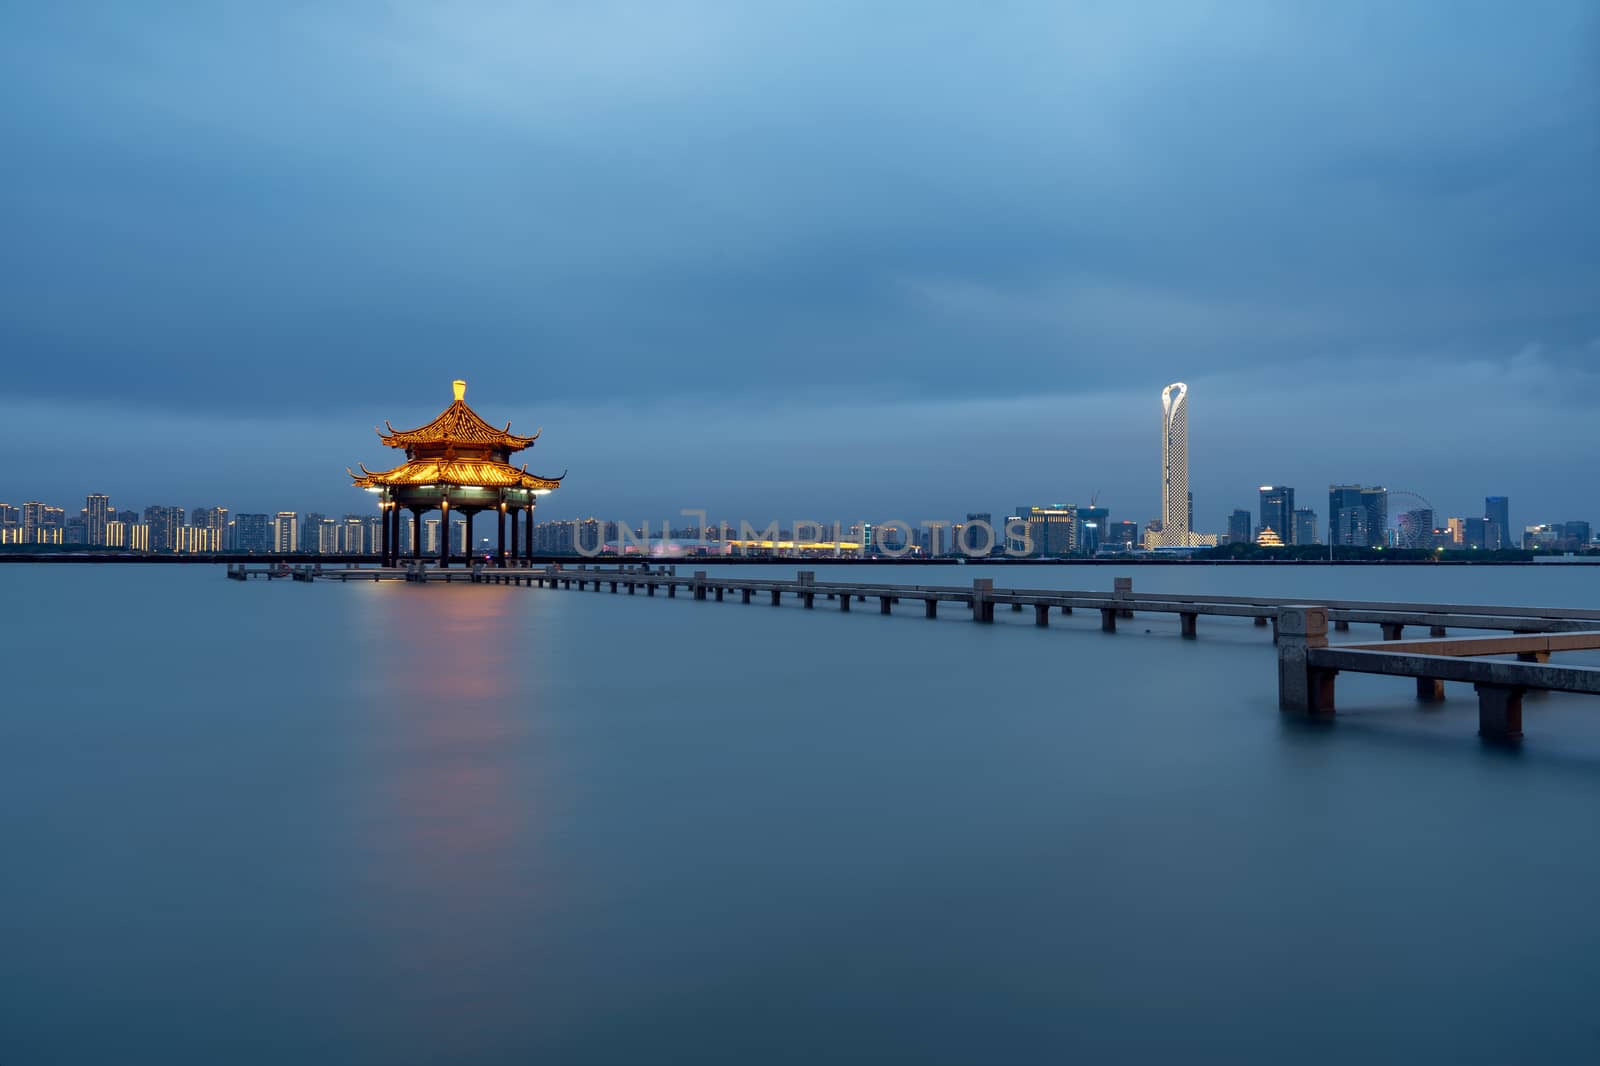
1412,529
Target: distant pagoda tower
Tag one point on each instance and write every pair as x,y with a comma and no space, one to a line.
456,463
1268,538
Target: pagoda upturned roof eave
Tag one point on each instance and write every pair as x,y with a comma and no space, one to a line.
456,424
463,473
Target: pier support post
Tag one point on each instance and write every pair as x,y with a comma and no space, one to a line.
1302,687
672,590
1260,620
1066,609
744,596
719,593
776,597
1108,619
930,608
1016,605
808,600
1122,588
1438,631
883,604
1533,656
806,577
700,585
844,602
982,605
1430,690
1041,614
1342,626
1186,624
1392,630
650,589
1500,711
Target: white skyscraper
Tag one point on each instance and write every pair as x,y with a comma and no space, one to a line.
1175,466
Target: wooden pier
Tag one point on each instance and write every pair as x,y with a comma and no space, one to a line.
1307,663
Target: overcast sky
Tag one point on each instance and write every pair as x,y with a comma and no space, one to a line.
806,259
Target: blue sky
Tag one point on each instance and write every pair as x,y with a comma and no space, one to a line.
805,259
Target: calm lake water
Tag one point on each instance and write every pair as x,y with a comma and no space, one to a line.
287,823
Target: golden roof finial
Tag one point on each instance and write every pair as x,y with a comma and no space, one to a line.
461,389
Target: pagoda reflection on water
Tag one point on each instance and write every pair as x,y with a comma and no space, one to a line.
456,463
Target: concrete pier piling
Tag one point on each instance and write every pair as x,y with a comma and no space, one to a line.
1301,686
1122,589
982,603
1500,711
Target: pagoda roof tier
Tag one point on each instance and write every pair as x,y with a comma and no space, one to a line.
457,424
466,473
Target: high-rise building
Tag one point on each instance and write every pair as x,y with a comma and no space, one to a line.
1093,523
10,517
1497,512
323,533
32,521
1376,501
1239,530
164,523
253,533
1277,511
1350,527
96,513
1305,526
971,538
1373,502
1123,535
192,540
1174,466
353,535
1542,537
1053,530
286,532
309,535
210,518
1576,534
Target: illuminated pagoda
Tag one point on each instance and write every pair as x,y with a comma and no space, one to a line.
458,463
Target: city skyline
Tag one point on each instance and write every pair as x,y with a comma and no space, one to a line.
1358,516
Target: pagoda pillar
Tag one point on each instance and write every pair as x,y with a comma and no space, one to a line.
471,550
500,552
444,534
383,551
394,535
527,526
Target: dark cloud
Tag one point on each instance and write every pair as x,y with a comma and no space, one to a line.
304,211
